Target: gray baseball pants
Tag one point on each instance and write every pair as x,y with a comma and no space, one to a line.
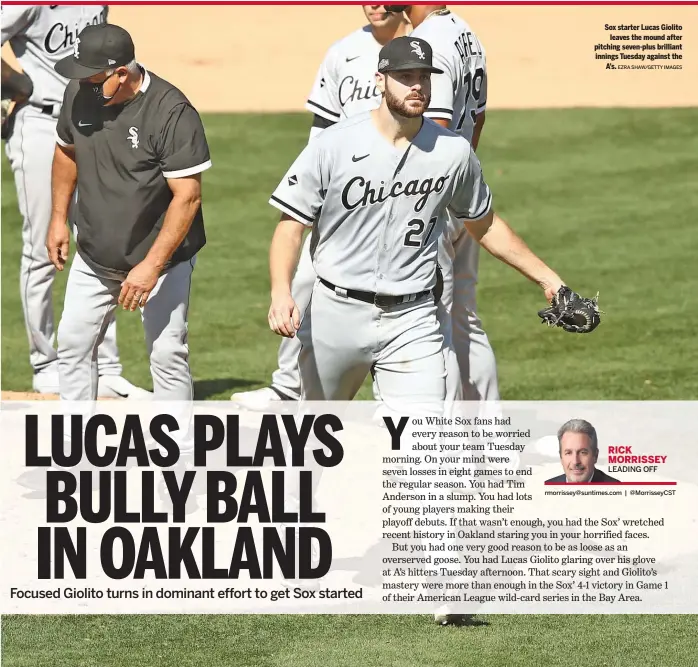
90,302
29,149
468,356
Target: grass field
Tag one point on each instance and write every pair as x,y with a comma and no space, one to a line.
608,198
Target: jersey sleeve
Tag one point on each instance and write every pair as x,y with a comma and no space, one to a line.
64,128
182,147
16,19
324,96
301,192
472,199
442,89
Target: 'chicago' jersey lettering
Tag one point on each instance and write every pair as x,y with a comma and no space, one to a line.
369,195
377,212
345,84
40,35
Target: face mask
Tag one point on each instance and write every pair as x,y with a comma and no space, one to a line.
97,90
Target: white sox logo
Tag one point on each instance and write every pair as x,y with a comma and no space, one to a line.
133,136
368,195
76,50
417,48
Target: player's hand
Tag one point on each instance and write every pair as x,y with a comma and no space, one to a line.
284,317
139,283
58,243
551,289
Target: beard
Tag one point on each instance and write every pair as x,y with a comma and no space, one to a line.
401,108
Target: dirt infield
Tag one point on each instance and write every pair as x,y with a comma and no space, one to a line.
247,58
27,396
264,58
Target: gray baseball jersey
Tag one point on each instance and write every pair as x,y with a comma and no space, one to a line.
378,211
345,84
40,35
460,93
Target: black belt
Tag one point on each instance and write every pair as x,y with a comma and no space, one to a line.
380,300
46,108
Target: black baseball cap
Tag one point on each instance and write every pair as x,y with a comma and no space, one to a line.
97,48
406,53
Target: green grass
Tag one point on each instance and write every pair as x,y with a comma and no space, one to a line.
348,641
607,197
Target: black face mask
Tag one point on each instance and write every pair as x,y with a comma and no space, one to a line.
96,91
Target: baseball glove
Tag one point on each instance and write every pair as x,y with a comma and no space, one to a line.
6,112
572,312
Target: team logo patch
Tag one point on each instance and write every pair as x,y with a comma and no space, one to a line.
133,136
383,63
293,180
417,48
76,48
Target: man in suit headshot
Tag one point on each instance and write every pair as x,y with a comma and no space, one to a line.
579,451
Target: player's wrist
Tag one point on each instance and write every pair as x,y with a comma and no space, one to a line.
551,285
282,291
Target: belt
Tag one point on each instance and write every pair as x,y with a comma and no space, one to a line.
47,108
380,300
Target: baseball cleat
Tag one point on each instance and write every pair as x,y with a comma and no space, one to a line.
116,386
46,382
259,400
452,619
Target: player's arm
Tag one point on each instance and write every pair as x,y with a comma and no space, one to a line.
323,100
184,155
440,116
284,318
299,196
477,130
501,241
472,203
320,124
64,177
15,85
442,90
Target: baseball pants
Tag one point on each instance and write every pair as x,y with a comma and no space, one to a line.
29,149
343,340
90,302
460,261
470,363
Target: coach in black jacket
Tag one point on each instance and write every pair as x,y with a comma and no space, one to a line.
579,452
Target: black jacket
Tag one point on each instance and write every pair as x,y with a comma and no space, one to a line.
599,477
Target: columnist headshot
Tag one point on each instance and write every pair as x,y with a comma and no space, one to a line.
579,452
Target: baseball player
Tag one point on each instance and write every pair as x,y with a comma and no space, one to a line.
345,86
375,189
40,36
471,368
458,102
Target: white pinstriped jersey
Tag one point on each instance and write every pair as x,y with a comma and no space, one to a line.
40,35
345,84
